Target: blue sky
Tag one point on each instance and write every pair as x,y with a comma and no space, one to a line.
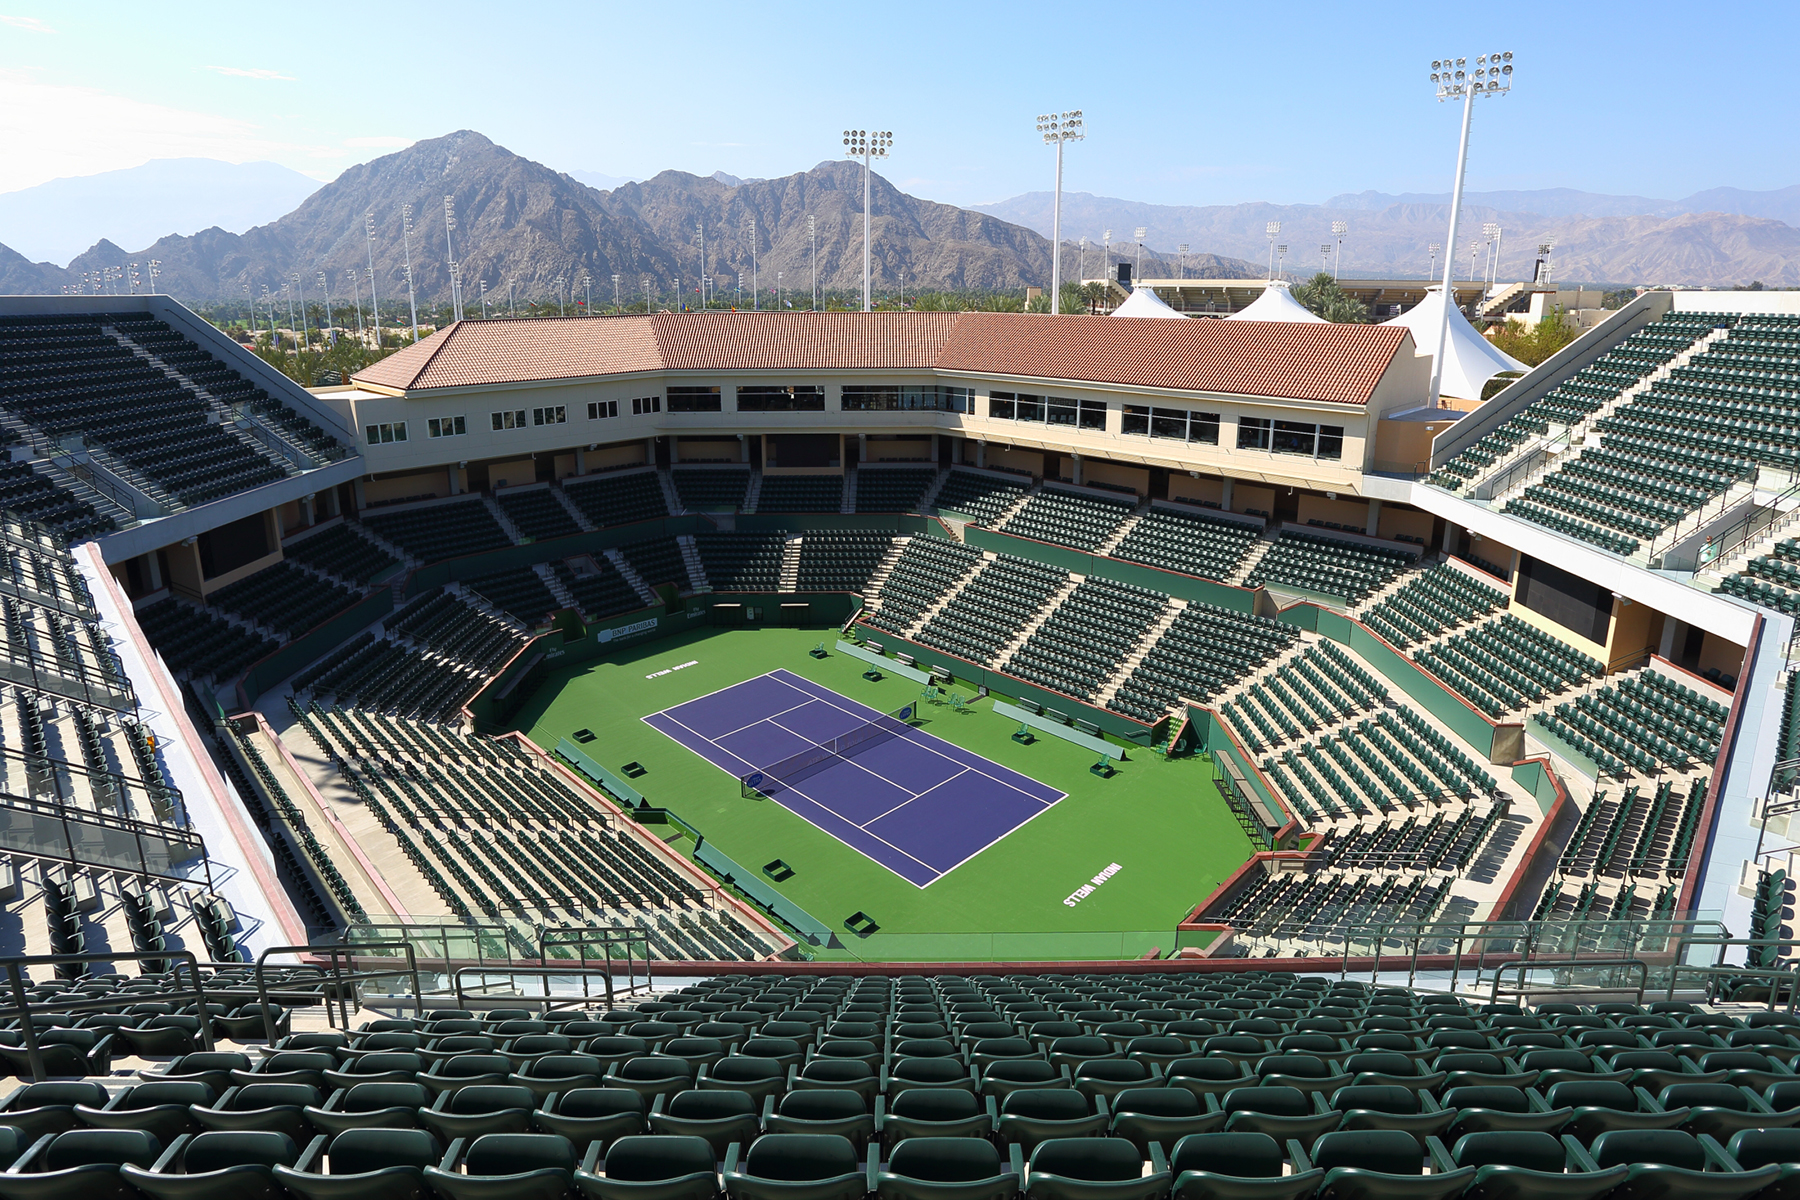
1186,103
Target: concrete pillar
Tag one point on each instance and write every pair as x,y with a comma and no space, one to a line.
332,507
307,514
1374,518
1671,627
1225,494
1075,469
362,496
153,571
743,448
650,451
862,448
580,460
981,454
455,473
1452,535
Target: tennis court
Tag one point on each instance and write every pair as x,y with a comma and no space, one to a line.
910,801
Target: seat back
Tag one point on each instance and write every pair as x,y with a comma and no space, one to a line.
1496,1097
359,1151
92,1147
712,1105
218,1150
151,1095
1046,1104
1533,1151
600,1102
1671,1147
800,1157
373,1097
1710,1095
1095,1160
945,1160
273,1095
59,1093
1270,1101
1592,1093
836,1104
491,1098
935,1104
1390,1151
1247,1155
1755,1148
1157,1102
1384,1098
517,1153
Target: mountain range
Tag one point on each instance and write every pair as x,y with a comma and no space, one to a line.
1624,242
520,226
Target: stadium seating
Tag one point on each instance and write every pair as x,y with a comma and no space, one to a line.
707,489
983,497
992,609
618,499
342,552
1643,719
537,514
742,562
1504,664
894,489
1205,651
1439,599
605,594
196,643
1175,540
387,677
1317,689
283,598
841,560
519,591
1330,565
440,531
451,627
1068,519
657,561
1087,637
926,570
36,497
800,493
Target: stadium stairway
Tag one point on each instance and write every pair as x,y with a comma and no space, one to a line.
1131,661
393,550
753,493
631,576
1012,510
502,520
1248,564
885,567
557,588
690,555
575,514
1124,530
929,500
1764,543
950,593
44,446
790,564
1043,614
670,496
1558,458
848,504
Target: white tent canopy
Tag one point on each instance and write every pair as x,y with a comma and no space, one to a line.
1471,359
1144,302
1277,303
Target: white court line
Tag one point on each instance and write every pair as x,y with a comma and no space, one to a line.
926,747
916,795
770,719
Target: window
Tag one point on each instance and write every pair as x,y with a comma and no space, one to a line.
1093,414
694,399
1001,406
552,415
1028,408
1291,437
600,409
1048,410
1136,419
648,404
446,427
1253,433
387,431
512,418
762,398
857,397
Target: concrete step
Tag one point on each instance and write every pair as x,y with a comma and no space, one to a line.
1139,652
1036,622
690,554
630,575
753,493
1258,550
512,531
950,593
557,587
790,565
849,504
879,576
671,497
573,509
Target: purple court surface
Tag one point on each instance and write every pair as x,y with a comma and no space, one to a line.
914,803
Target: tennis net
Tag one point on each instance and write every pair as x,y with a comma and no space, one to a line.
810,761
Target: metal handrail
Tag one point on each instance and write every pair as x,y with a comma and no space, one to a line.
1522,965
338,977
549,1000
22,1005
581,938
1721,969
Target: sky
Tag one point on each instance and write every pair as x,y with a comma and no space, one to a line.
1184,103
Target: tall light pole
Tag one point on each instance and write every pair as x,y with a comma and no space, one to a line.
1434,248
700,236
587,290
1137,272
1106,255
1280,259
812,235
1492,232
1273,231
356,299
1058,129
300,296
1081,262
1324,256
330,325
1474,254
484,315
1181,262
649,306
1492,77
1338,230
750,232
412,297
559,296
154,264
374,299
868,146
450,249
615,295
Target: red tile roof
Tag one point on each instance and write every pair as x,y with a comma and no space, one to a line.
1332,363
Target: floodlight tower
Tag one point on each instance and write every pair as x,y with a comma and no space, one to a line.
1137,272
1489,232
456,311
1492,76
1324,256
374,300
1494,263
1434,248
1081,262
1272,230
154,272
649,306
615,295
330,325
1106,255
412,297
1058,129
812,235
1338,230
1280,260
356,299
559,296
750,232
1181,262
484,309
868,146
300,296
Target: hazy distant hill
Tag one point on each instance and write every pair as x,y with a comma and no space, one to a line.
60,219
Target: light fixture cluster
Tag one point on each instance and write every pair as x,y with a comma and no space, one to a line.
1063,127
861,143
1491,76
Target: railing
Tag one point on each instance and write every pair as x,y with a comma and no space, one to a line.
1718,970
608,940
432,941
1740,533
23,1007
547,999
1689,523
1569,985
341,986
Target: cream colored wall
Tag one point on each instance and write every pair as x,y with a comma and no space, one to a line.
1411,522
1207,487
407,487
629,454
1135,478
1344,512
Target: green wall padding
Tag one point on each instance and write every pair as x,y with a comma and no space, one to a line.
1535,779
314,644
751,884
1173,583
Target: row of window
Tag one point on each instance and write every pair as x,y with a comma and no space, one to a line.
1182,425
